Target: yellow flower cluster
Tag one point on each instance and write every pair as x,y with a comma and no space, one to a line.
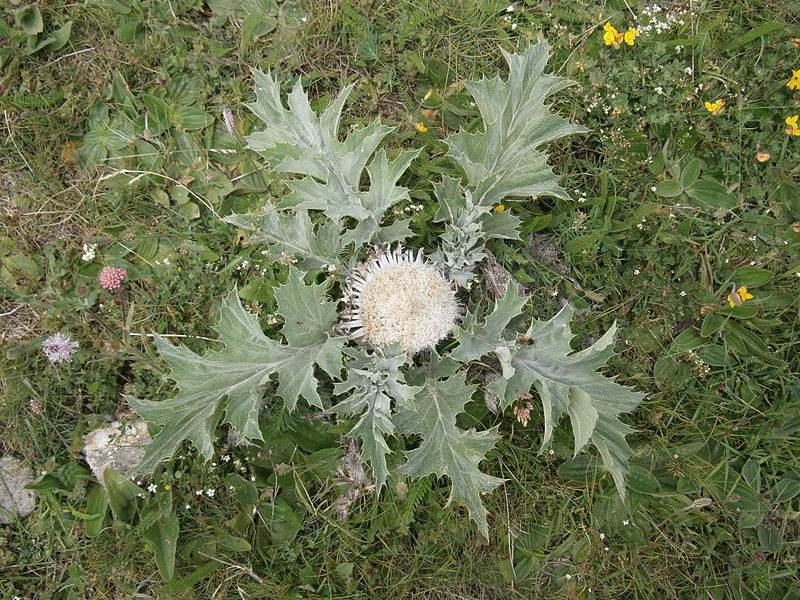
739,296
612,37
715,107
791,125
794,82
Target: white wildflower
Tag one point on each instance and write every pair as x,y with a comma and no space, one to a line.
89,252
398,297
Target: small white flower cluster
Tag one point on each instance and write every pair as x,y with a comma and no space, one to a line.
243,265
89,252
700,367
507,18
287,259
658,19
581,196
415,208
163,261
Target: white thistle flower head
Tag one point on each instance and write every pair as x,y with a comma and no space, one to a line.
396,297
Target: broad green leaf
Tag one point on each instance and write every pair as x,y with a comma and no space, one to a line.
281,521
373,382
751,276
226,384
786,489
446,449
710,194
159,114
163,539
690,173
121,494
504,159
190,118
97,504
29,19
669,188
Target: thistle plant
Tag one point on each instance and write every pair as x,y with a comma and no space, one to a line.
391,337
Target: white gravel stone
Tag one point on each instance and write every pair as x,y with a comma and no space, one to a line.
119,446
15,500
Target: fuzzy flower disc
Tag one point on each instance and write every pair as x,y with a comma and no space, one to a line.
397,297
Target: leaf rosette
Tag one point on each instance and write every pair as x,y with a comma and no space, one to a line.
378,356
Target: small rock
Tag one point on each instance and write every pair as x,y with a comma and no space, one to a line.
118,447
15,500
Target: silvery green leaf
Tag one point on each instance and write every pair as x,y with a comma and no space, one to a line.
567,382
291,235
504,159
297,141
307,313
226,384
382,194
373,383
499,225
396,232
468,226
446,449
478,337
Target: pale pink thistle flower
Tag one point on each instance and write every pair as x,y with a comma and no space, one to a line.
59,348
112,277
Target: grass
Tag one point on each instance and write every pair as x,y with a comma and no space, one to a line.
721,417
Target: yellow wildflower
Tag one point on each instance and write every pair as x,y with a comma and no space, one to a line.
763,156
629,35
794,82
612,37
421,127
792,128
739,296
499,208
715,107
